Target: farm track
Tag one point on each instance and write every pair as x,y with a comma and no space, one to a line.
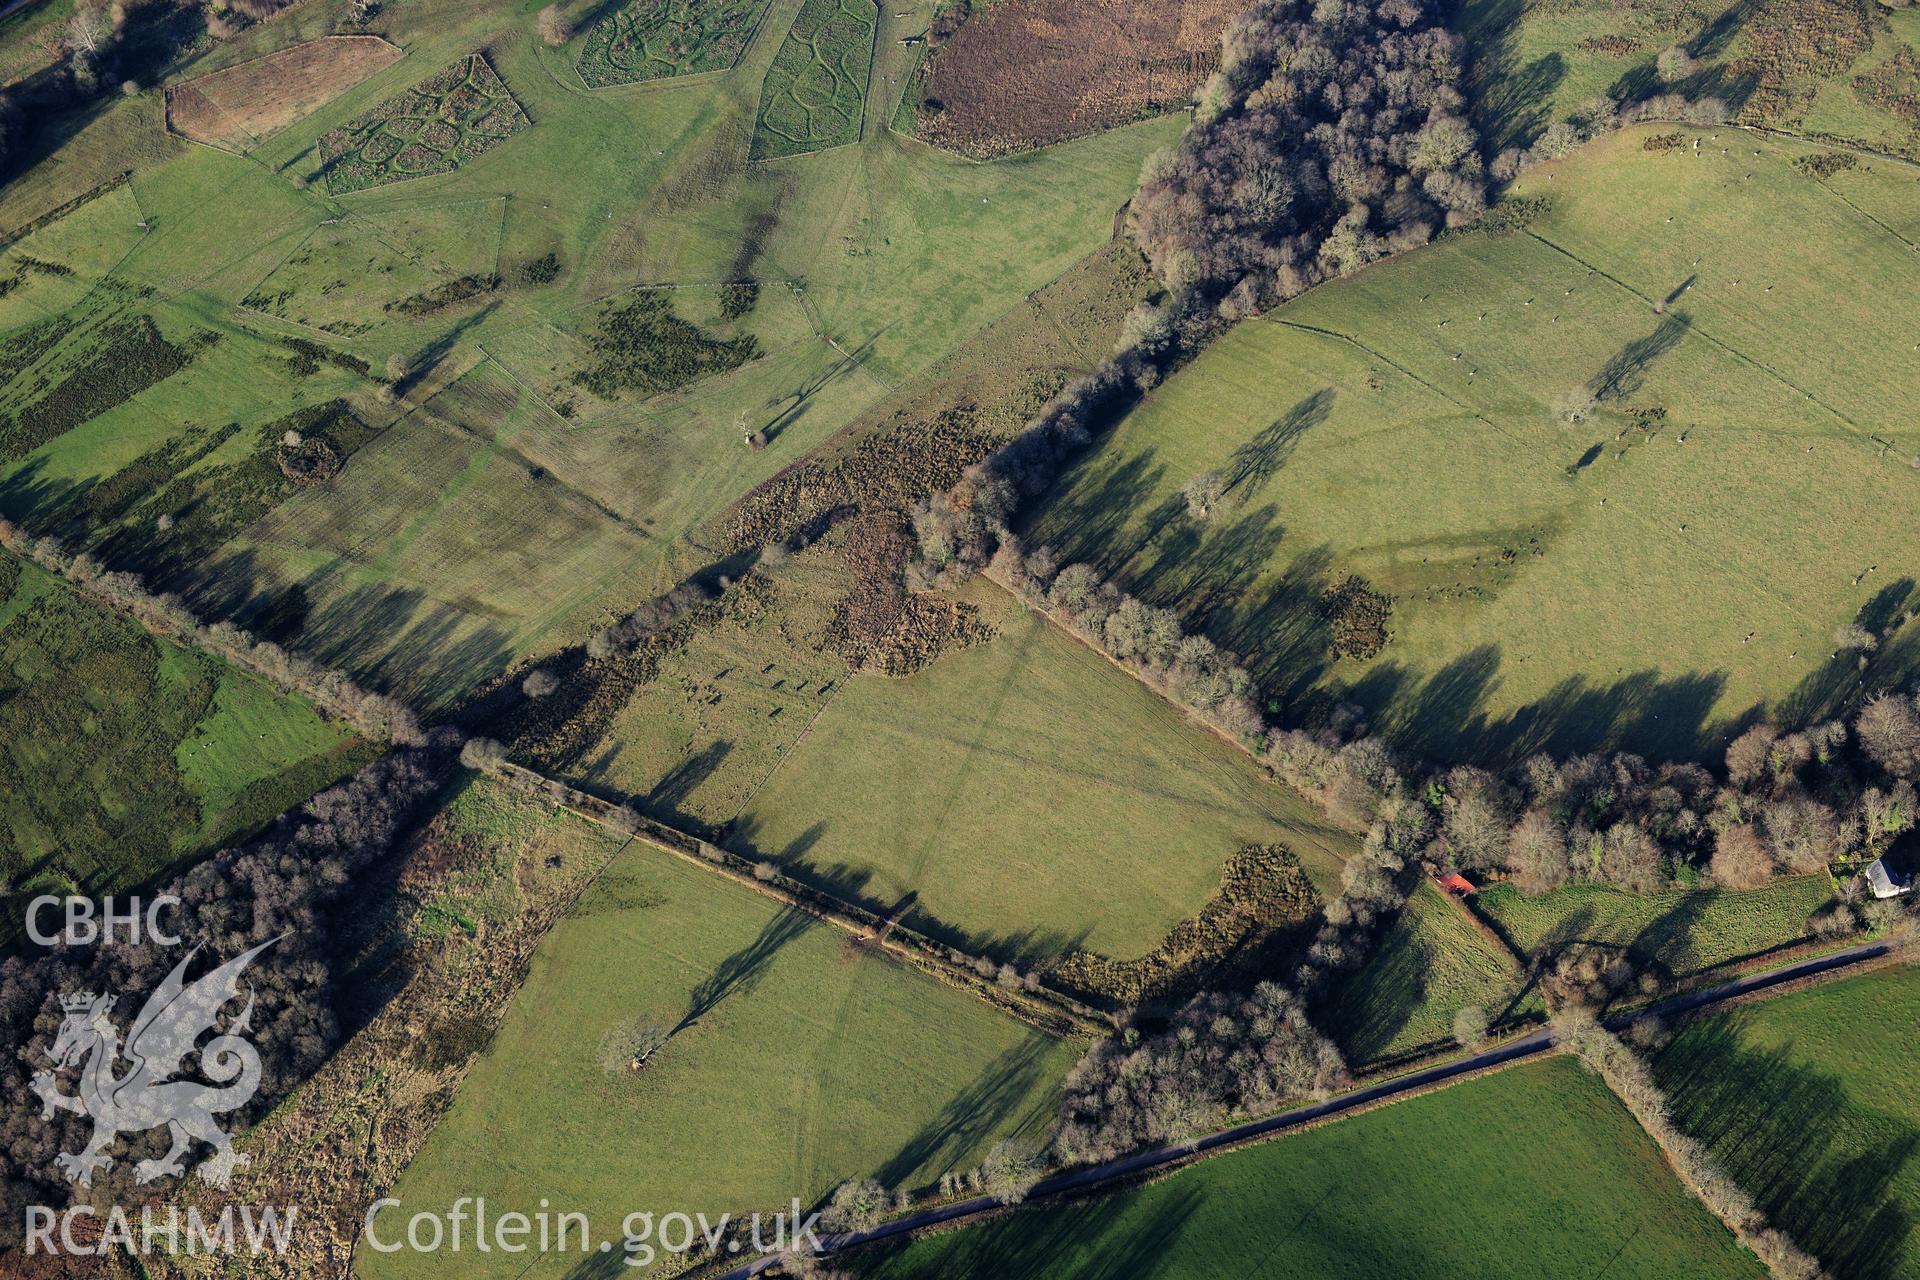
1097,1177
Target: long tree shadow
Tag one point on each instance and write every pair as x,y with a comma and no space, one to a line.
1625,373
741,972
1088,521
1259,459
967,1118
1820,1165
1445,715
1844,680
1510,102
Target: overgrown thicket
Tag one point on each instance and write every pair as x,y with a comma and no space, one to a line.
1630,1080
1789,803
375,715
293,884
1333,133
1219,1057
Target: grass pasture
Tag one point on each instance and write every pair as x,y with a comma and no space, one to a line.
654,39
964,791
50,270
236,106
1644,578
798,1062
123,755
1810,66
815,93
358,272
1806,1100
1681,931
442,552
1534,1171
435,127
1430,965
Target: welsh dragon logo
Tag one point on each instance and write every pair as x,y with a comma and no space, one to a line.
147,1095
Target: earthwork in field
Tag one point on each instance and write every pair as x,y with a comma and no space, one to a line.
653,39
815,92
721,988
434,127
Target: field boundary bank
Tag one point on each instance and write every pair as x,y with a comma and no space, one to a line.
1142,1166
1047,1011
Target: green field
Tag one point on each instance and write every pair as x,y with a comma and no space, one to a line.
1429,965
652,39
1807,1100
815,94
874,263
1535,1171
357,272
123,756
1681,931
1643,578
46,272
1804,65
801,1062
1024,795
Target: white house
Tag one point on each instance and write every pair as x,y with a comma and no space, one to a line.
1886,882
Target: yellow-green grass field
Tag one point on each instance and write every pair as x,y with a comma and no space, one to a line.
874,261
1026,796
1646,577
1804,65
1680,930
1534,1171
123,756
800,1062
699,739
1430,964
358,273
1807,1101
46,272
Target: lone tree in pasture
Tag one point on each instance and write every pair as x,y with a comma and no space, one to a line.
484,754
553,26
1575,407
1203,493
629,1046
1854,636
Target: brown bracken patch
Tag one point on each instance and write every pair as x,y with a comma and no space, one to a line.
1026,73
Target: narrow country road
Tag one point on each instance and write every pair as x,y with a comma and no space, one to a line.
1526,1046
